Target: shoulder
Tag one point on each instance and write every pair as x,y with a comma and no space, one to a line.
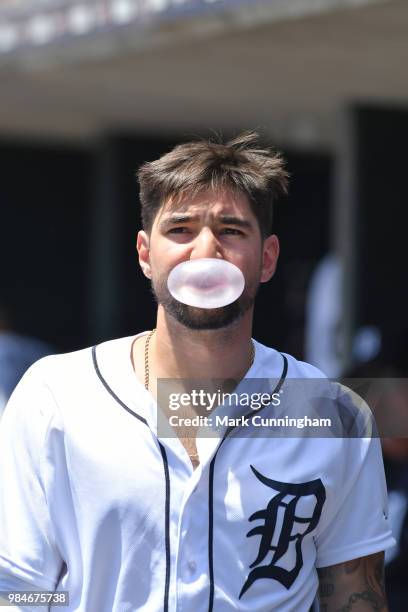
68,375
80,363
59,367
312,391
268,357
61,385
302,369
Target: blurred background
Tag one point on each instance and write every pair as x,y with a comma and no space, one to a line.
90,89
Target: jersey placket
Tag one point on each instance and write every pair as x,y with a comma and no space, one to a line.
189,536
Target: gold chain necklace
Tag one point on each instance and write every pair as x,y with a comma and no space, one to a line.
146,357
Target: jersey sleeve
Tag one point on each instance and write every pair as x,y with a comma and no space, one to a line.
28,549
357,522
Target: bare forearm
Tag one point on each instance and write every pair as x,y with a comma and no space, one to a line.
353,586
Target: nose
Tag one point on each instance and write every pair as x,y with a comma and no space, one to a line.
206,245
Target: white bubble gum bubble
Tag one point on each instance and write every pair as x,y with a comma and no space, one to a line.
206,282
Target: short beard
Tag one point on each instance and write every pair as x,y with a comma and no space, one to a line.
197,318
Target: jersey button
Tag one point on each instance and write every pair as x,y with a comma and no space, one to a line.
192,566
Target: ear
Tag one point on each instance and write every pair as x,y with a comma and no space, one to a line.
270,254
143,249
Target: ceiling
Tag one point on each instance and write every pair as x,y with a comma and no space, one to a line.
290,76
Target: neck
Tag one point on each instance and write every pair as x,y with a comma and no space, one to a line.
179,352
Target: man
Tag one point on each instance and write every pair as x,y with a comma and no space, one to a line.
96,503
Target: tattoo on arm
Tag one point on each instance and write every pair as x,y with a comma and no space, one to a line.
354,585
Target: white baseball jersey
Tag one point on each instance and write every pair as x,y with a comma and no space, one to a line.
92,502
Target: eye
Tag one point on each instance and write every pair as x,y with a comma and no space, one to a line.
232,231
177,230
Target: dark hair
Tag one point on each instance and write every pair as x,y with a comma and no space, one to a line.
240,165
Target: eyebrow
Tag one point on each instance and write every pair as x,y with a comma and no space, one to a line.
226,219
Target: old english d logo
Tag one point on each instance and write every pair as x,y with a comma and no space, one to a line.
287,497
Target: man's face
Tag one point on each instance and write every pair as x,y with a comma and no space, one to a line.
218,225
